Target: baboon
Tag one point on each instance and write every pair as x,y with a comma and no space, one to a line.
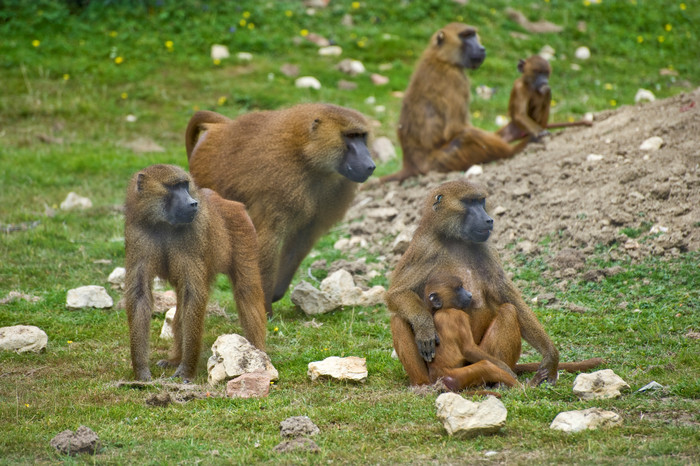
452,238
530,101
434,129
186,235
296,170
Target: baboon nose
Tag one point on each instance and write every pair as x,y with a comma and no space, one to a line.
370,169
194,204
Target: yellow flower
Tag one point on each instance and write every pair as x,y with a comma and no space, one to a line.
640,39
277,329
169,44
70,342
668,28
66,77
361,43
246,14
221,101
242,23
476,114
586,3
355,5
251,26
124,96
217,61
113,34
608,86
683,7
119,60
304,32
613,102
661,39
26,405
570,119
35,43
553,103
288,13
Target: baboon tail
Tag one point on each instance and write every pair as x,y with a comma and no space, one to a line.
195,127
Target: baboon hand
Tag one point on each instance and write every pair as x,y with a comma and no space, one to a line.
426,346
545,373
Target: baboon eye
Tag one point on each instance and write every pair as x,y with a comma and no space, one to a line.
438,198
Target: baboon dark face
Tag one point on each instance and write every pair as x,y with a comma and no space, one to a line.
357,164
180,206
477,224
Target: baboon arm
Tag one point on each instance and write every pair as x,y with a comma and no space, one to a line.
519,107
408,305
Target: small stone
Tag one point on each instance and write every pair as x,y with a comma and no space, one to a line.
383,149
117,277
233,355
587,419
351,67
88,296
403,240
298,426
160,400
219,52
330,51
166,333
583,53
652,144
351,368
594,158
131,118
290,70
142,145
344,85
74,201
244,56
465,418
474,170
251,385
83,440
484,92
306,82
644,95
23,339
599,385
318,39
501,120
499,210
378,79
340,288
13,296
547,52
382,213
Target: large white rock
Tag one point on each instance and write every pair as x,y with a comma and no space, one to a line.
23,339
587,419
340,287
644,94
383,149
402,240
330,51
312,300
466,418
117,277
166,333
599,385
74,201
233,355
351,368
88,296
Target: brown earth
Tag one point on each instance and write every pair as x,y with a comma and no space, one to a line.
555,199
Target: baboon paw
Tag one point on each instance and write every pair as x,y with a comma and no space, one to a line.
166,363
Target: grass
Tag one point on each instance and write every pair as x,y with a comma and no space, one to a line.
69,86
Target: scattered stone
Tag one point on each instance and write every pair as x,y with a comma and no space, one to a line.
402,240
23,339
312,300
569,258
233,355
301,443
244,56
290,70
547,52
306,82
587,419
83,440
583,53
340,288
693,335
13,296
378,79
351,368
142,145
383,149
318,39
131,118
166,333
219,52
653,385
117,277
594,158
298,426
573,307
74,201
344,85
652,144
382,213
474,170
499,210
351,67
599,385
250,385
538,27
644,95
484,92
88,296
330,51
160,400
465,418
163,301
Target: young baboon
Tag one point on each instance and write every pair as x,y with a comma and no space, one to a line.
452,238
186,236
434,129
296,170
530,101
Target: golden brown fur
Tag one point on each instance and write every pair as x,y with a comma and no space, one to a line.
285,166
219,237
434,128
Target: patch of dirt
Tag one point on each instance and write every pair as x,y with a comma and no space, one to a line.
553,195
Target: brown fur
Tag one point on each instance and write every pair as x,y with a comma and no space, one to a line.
529,105
498,315
434,128
220,239
283,165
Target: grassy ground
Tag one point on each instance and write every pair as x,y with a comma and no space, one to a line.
73,74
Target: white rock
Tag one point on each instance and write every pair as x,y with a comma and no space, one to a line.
658,229
88,296
587,419
378,79
330,51
351,67
466,418
575,67
651,144
233,355
502,120
380,109
117,277
394,355
244,56
371,100
644,94
599,385
74,201
383,149
594,158
306,82
351,368
166,333
311,300
474,170
402,240
219,52
484,92
499,210
547,52
131,118
340,288
382,213
583,53
372,297
22,339
342,244
588,116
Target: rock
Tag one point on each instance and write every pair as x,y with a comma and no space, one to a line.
340,288
372,297
499,210
547,52
330,51
290,70
74,201
382,213
219,52
599,385
466,418
88,296
594,158
484,92
344,85
587,419
317,39
83,440
474,170
569,258
644,94
378,79
142,145
654,385
301,443
347,20
163,301
311,300
383,149
501,120
23,339
351,67
298,426
250,385
166,333
244,56
651,144
13,296
583,53
232,355
402,240
351,368
117,277
306,82
131,118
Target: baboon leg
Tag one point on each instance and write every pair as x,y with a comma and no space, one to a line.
471,147
293,254
477,374
194,307
502,338
407,351
175,355
139,305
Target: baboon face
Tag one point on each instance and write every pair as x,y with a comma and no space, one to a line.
357,164
460,212
459,44
163,192
447,292
536,71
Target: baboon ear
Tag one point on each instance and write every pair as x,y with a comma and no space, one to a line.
435,301
440,38
315,124
139,181
521,65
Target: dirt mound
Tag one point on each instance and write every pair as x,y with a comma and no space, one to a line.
581,188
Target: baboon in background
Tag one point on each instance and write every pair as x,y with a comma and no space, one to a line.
186,236
529,103
452,238
434,129
296,170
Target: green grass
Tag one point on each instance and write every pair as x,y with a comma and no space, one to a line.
69,87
